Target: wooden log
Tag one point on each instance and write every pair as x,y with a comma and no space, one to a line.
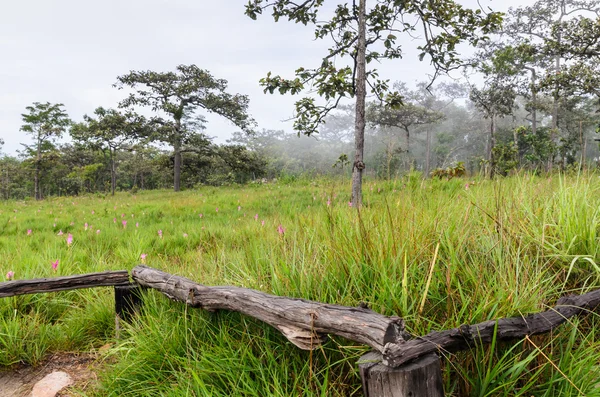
128,299
34,286
421,378
468,336
303,322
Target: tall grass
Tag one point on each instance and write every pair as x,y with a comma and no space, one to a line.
436,253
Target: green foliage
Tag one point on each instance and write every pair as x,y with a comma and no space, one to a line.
450,172
444,23
506,158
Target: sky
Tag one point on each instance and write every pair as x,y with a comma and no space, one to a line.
71,51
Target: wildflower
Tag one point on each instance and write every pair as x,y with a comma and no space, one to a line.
93,212
256,217
328,202
143,258
70,239
137,224
55,225
124,224
185,235
160,233
467,186
55,265
217,210
29,232
200,215
10,275
85,226
239,208
98,231
114,220
60,233
350,204
262,223
122,215
280,230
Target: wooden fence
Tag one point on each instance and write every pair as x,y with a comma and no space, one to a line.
399,365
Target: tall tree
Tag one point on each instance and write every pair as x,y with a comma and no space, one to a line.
45,122
178,95
367,34
113,131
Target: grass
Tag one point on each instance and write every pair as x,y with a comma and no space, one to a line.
433,252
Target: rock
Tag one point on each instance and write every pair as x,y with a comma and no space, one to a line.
51,384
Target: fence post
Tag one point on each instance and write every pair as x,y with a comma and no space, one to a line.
420,378
128,298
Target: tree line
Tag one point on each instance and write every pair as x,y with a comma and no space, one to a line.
528,99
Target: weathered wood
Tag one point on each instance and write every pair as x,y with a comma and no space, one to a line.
421,378
128,299
33,286
303,322
468,336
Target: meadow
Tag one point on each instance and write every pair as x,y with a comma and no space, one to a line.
505,247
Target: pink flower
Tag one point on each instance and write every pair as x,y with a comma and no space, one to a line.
114,220
122,215
137,224
29,232
185,235
328,202
467,186
70,239
256,217
60,233
85,226
10,275
143,258
124,224
160,233
349,203
217,210
55,265
239,208
98,231
280,230
93,212
262,223
200,215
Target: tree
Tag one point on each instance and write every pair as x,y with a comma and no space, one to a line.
494,100
45,122
179,95
368,35
112,131
404,117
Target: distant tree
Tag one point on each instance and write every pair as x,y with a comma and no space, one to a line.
368,35
178,95
45,122
113,131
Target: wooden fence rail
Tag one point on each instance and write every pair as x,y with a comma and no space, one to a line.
103,279
401,365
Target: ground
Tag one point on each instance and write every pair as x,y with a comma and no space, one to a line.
19,380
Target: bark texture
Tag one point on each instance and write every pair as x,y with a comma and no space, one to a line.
103,279
469,336
304,323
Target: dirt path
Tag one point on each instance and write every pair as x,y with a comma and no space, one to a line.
19,381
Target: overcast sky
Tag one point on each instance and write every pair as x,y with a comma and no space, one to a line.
70,52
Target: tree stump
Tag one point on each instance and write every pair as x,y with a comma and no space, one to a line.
420,378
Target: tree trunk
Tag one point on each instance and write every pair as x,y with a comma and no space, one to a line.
177,160
113,173
492,144
359,126
36,177
428,154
